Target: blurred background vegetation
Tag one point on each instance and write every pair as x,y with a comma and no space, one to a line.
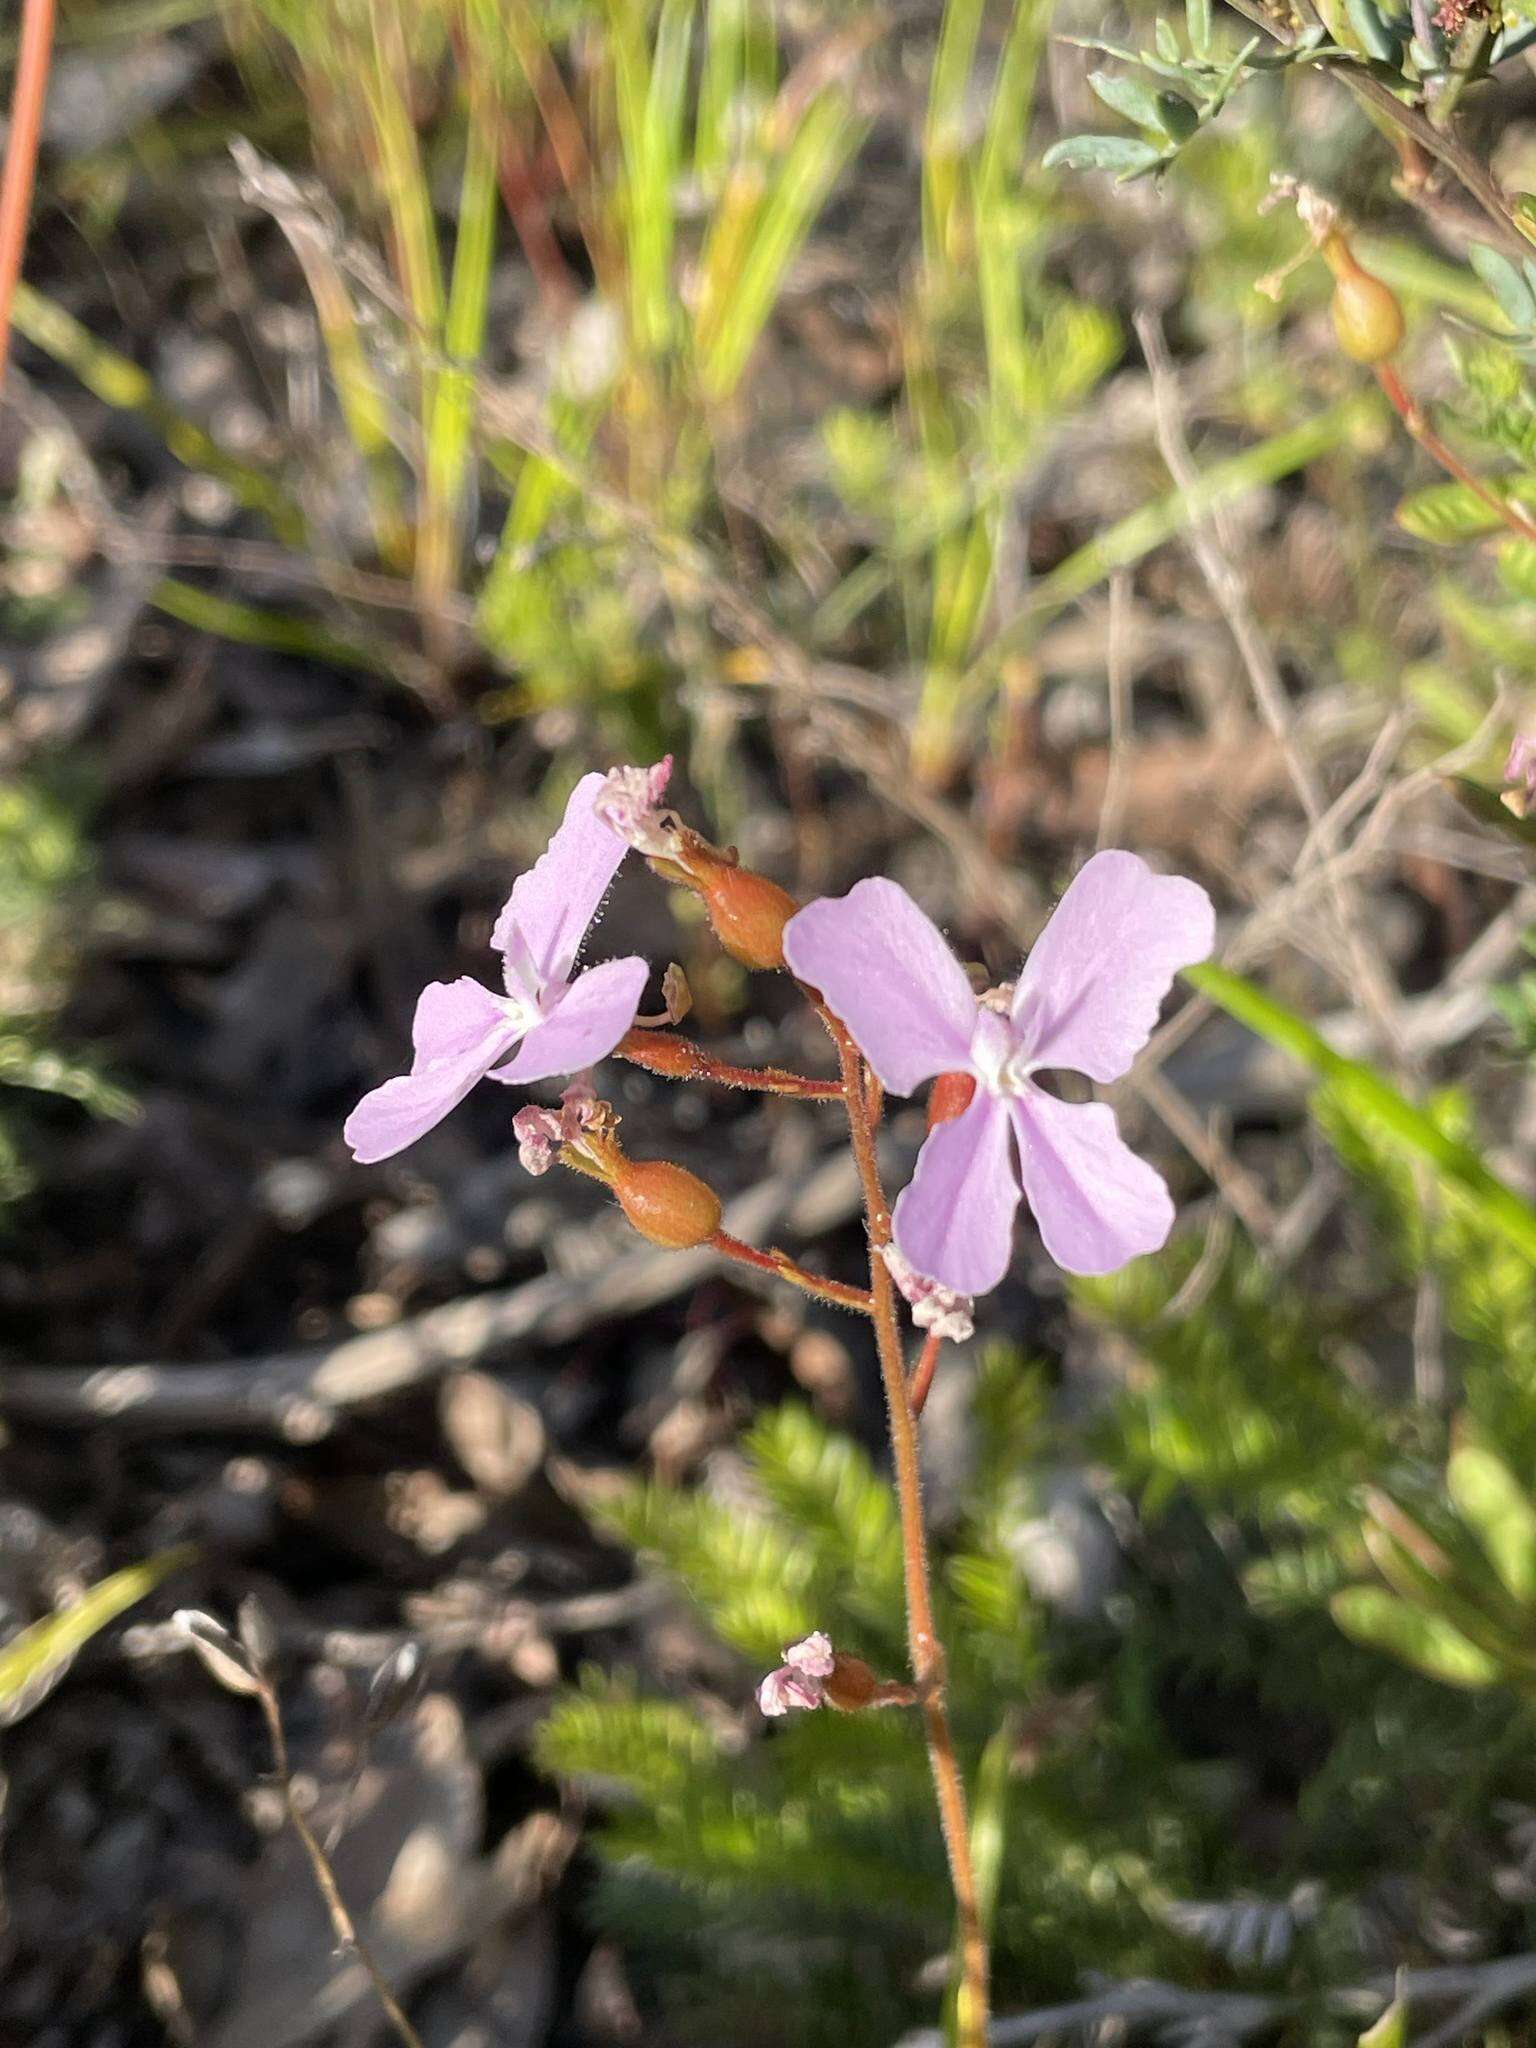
927,420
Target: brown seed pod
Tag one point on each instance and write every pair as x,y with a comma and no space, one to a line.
748,913
667,1204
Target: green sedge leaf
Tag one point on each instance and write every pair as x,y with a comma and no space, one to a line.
32,1663
1499,1512
1381,1621
1390,2031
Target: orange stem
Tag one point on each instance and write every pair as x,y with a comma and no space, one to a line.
838,1292
679,1059
16,180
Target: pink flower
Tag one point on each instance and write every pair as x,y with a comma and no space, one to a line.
629,803
934,1307
555,1022
1520,774
1087,999
798,1682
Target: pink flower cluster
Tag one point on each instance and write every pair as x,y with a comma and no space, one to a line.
1086,1000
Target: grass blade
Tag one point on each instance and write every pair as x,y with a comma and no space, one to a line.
32,1663
1365,1092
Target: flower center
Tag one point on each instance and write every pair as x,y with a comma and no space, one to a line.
522,1009
999,1055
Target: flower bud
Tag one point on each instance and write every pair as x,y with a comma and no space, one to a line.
667,1204
748,914
949,1097
1366,315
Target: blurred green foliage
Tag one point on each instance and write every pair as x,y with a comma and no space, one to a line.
42,868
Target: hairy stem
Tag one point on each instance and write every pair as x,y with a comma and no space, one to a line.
838,1292
1407,409
924,1647
679,1059
342,1924
922,1372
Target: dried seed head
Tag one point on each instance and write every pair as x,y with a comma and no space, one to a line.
257,1633
226,1659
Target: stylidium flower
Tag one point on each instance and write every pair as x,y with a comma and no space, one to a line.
934,1306
1087,999
550,1020
1520,775
800,1679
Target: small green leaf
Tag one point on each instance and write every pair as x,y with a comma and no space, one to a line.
1382,1621
1197,20
1517,302
32,1663
1167,42
1390,2031
1118,153
1132,97
1446,514
1176,116
1376,36
1499,1512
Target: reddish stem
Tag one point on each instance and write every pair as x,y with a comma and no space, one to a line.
16,180
924,1646
838,1292
679,1059
922,1372
1406,407
528,206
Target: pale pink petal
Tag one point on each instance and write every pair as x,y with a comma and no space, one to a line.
585,1025
786,1688
460,1031
545,919
1096,1204
886,971
1520,773
1090,991
954,1220
813,1655
539,1132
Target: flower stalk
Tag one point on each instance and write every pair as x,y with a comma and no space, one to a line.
923,1644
